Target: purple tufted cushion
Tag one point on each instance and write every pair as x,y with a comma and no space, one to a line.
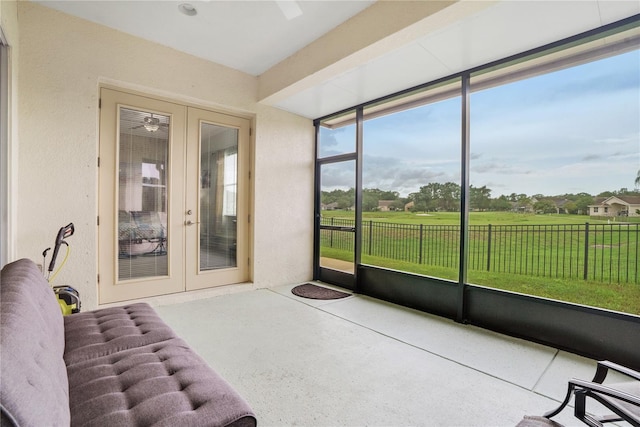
162,384
105,331
33,389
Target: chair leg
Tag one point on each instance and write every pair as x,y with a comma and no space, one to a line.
581,404
556,411
580,410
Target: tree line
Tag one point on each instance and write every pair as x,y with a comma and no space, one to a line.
445,197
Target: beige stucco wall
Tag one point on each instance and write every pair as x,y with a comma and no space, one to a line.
63,61
9,25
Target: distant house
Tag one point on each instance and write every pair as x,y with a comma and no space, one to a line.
560,205
385,205
409,206
329,206
524,206
615,206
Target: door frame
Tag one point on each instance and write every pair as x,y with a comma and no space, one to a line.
341,278
106,242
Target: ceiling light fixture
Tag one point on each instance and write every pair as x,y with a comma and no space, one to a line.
151,123
290,9
187,9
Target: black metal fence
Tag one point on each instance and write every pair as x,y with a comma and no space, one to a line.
599,252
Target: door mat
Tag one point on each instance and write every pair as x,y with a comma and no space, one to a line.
309,290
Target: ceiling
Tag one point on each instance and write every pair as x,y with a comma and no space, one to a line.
254,36
250,36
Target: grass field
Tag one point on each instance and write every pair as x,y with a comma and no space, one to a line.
556,271
475,218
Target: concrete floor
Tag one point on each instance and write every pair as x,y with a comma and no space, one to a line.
359,361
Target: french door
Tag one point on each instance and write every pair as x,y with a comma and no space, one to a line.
173,201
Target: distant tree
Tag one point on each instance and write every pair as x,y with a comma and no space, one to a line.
420,201
419,206
449,197
582,203
583,195
437,196
369,200
637,182
344,198
389,195
571,207
398,205
626,192
502,203
544,206
424,199
371,197
345,203
522,203
480,197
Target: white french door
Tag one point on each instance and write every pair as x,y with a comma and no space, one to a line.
217,202
173,201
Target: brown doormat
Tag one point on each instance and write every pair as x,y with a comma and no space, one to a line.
309,290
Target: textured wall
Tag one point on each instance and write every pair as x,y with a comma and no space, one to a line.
62,63
284,217
9,25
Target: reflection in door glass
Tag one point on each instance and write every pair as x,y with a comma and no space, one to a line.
218,196
142,194
337,220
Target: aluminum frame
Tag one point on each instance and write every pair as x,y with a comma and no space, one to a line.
588,331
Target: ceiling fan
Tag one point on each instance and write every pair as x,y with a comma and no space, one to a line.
151,124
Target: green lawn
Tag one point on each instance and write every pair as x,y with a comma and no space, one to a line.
475,218
617,297
613,257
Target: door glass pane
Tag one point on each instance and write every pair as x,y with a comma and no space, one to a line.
218,196
337,220
142,194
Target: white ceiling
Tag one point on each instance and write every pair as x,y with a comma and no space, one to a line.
507,28
249,36
253,36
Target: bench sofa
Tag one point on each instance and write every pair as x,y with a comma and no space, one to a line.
109,367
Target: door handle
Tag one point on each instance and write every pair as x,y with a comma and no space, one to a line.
189,222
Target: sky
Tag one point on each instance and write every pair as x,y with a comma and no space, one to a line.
571,131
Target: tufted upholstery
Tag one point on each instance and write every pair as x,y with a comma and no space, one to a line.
34,390
103,332
121,366
163,384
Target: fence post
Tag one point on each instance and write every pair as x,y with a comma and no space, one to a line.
489,248
420,249
331,235
586,250
370,235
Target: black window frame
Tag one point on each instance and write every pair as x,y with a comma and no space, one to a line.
588,331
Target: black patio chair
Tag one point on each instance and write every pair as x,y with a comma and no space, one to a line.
623,399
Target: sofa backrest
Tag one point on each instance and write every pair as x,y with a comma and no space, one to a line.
34,389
